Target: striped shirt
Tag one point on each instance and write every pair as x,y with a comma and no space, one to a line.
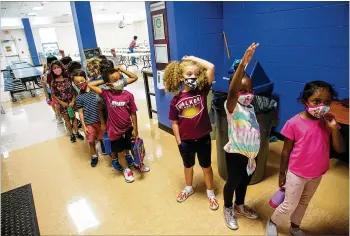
89,104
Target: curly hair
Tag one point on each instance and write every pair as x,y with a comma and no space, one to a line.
311,87
93,67
174,73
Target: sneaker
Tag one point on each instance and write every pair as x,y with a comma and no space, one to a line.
72,138
144,168
116,165
213,203
248,212
271,229
128,175
94,161
183,195
230,220
79,136
296,232
130,160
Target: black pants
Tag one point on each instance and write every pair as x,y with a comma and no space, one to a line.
237,179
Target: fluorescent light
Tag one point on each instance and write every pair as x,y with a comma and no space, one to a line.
37,8
31,14
45,2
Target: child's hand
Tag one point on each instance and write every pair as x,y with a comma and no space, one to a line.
281,180
249,53
103,128
135,134
86,131
65,104
71,104
188,58
330,121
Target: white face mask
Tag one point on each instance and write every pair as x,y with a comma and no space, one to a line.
246,98
191,83
318,111
118,85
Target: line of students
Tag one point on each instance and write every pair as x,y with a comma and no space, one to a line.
305,155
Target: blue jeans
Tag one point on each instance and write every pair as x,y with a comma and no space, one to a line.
133,59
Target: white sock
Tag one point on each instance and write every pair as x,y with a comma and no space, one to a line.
94,156
189,189
210,193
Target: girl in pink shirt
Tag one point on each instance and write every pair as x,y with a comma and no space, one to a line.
305,154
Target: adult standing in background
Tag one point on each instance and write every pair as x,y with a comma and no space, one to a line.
61,52
132,46
114,57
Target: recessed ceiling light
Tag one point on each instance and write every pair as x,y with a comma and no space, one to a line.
31,14
37,8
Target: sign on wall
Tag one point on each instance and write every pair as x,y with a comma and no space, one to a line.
160,34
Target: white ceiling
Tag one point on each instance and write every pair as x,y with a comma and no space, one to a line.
60,12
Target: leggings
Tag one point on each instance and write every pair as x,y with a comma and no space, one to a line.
237,179
299,192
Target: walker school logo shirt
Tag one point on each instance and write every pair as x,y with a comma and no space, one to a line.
119,107
191,112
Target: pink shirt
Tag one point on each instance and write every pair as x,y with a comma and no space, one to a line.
119,108
190,110
309,157
132,44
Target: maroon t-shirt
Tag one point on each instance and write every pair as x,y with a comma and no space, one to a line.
191,112
119,107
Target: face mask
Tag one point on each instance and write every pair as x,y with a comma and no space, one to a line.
317,111
245,98
57,71
82,86
118,86
192,83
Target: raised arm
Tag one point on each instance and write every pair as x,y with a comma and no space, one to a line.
337,139
131,76
94,86
235,84
210,68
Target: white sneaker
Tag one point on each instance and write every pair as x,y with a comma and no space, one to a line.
128,175
183,195
144,168
230,219
213,203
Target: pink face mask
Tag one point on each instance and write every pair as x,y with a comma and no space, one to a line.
57,71
245,98
318,111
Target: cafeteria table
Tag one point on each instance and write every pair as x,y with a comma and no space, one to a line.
125,59
19,66
18,62
28,75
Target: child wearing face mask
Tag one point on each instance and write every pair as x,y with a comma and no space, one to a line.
46,79
305,154
65,95
243,145
90,114
190,119
122,119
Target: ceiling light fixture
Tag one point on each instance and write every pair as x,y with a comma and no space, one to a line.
31,14
45,2
37,8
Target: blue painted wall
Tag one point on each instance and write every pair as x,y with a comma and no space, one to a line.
300,42
30,40
194,28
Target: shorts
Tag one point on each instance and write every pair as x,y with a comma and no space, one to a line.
123,143
202,147
95,132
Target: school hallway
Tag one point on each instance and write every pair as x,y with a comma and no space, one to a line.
72,198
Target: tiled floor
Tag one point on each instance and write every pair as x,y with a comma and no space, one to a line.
73,198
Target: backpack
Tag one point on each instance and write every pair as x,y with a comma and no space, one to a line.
138,151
